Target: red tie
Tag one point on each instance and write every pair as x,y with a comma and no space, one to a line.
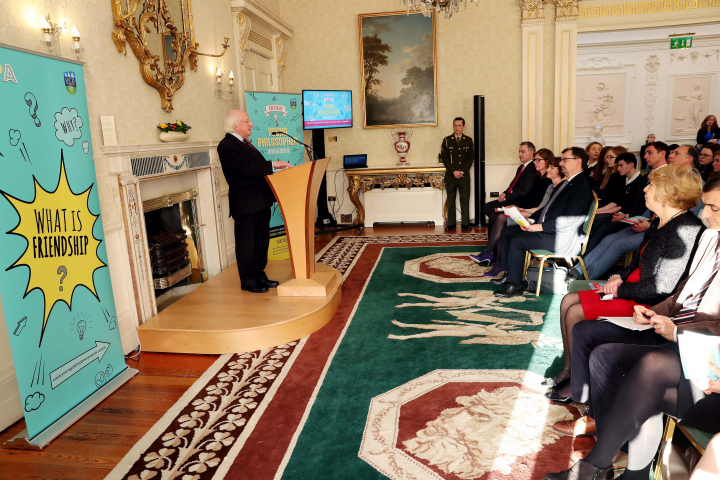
517,177
248,142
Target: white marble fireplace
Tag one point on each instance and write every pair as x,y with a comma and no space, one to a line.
160,172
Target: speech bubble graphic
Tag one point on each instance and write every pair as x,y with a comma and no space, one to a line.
15,137
58,227
67,126
33,402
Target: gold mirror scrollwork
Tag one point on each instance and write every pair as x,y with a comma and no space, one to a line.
162,46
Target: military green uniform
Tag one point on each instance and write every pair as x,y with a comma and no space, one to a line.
457,155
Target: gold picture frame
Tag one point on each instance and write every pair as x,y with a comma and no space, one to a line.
395,40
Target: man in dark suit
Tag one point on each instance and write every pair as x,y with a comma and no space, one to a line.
516,194
557,227
250,198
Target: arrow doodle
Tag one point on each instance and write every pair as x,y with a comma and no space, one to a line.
63,373
21,324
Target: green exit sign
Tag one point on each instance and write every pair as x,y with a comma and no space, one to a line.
683,42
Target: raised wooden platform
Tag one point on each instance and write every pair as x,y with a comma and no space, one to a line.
218,317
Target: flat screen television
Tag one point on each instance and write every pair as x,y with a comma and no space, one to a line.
327,109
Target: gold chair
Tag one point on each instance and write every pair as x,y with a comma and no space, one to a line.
698,438
545,254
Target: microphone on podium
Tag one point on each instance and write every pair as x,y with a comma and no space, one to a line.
308,148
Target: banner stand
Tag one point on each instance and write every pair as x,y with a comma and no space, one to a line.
21,440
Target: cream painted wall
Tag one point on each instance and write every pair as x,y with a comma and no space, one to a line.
477,53
114,84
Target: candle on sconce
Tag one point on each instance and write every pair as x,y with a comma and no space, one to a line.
218,75
231,77
45,27
76,37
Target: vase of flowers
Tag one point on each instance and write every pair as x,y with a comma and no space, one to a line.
174,132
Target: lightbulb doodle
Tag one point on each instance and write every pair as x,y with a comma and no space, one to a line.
57,225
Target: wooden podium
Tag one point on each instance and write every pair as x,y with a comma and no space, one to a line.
296,190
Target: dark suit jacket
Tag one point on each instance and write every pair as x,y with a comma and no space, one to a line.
664,260
632,198
566,215
522,188
245,168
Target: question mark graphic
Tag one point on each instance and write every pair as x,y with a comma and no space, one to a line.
31,100
62,269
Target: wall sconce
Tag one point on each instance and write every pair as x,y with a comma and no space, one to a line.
219,93
76,42
51,32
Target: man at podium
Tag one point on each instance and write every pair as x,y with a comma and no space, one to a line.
250,199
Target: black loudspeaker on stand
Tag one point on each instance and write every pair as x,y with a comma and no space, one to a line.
479,122
324,219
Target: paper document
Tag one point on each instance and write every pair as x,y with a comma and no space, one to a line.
627,322
517,217
634,220
696,350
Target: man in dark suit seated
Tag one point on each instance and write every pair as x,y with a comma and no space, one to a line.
557,227
250,199
516,194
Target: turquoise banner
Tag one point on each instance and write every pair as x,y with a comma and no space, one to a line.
54,280
277,112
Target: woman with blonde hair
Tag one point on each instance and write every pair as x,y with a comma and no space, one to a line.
654,274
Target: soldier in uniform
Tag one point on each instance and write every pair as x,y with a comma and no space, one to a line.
457,154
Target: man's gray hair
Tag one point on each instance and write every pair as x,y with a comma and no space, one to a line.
230,121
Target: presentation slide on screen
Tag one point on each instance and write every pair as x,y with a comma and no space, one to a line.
327,109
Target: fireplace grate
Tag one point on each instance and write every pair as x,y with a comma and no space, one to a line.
168,255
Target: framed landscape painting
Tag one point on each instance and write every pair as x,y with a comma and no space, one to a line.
399,75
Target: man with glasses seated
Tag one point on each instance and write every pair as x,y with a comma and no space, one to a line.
557,228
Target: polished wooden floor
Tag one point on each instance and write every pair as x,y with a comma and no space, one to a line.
92,447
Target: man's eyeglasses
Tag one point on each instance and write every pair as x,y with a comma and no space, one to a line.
565,159
243,121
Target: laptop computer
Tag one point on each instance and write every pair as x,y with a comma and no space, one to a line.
355,161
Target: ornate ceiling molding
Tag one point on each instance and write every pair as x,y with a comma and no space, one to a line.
533,11
652,6
566,10
598,63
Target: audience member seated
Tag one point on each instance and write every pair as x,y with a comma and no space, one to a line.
656,155
705,161
632,377
650,139
716,164
600,168
625,203
517,194
593,151
654,274
709,132
547,168
610,182
558,225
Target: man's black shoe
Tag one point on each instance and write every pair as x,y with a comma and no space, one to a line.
448,228
510,291
256,289
467,227
553,395
499,281
271,283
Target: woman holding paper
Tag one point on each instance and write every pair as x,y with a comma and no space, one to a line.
543,159
654,274
634,377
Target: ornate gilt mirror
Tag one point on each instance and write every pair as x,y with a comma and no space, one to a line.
160,33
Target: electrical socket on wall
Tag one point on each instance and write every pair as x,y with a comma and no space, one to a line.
332,199
332,139
494,194
346,218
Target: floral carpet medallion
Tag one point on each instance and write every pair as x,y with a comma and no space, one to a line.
482,317
455,267
467,424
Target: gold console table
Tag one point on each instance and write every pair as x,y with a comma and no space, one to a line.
366,179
